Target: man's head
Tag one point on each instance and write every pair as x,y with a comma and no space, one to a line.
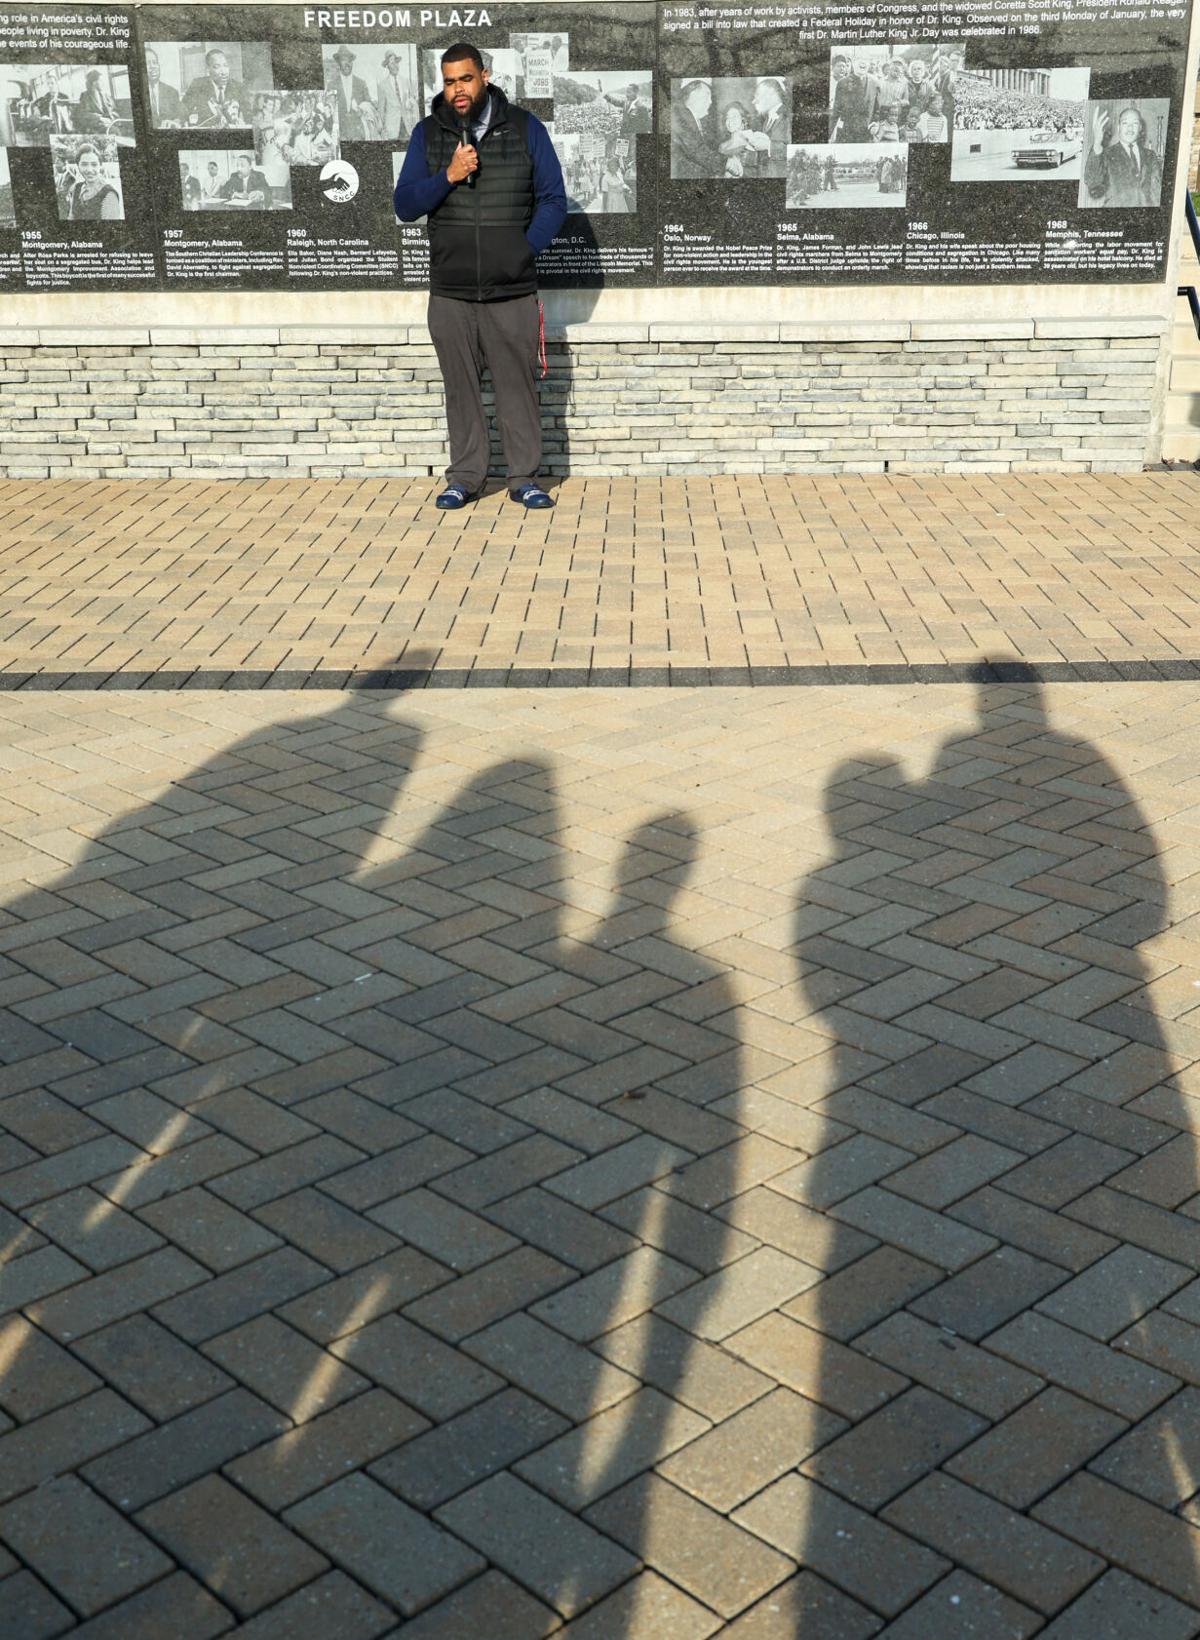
697,95
152,69
840,67
344,58
1129,127
768,97
217,64
212,168
464,80
244,163
917,70
391,60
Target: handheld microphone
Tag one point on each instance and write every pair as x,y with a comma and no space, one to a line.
464,126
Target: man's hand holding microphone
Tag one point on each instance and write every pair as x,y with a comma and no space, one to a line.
465,163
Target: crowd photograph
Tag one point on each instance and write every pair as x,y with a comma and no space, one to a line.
294,128
64,99
87,179
599,172
205,85
1125,144
1016,124
375,91
228,179
847,176
731,127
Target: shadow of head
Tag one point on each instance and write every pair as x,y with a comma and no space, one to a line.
662,850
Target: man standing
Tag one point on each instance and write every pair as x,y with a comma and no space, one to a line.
693,153
396,100
637,119
485,174
854,98
1125,171
357,115
165,107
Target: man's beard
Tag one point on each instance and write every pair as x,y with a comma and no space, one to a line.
478,106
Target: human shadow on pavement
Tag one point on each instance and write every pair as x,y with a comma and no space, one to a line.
1009,1181
340,1183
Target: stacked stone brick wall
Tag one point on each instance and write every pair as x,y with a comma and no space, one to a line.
658,398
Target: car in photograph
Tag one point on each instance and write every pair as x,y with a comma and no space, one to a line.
1045,148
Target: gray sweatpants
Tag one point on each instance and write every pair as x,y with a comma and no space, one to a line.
504,337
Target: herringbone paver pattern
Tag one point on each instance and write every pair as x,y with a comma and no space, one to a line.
632,1165
294,575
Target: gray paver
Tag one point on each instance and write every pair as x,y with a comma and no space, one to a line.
64,1439
302,1460
235,1548
566,1375
493,1605
464,1450
1038,1567
88,1553
867,1558
892,1448
36,1374
191,1445
387,1546
159,1372
436,1378
611,1448
330,1606
567,1563
177,1608
1118,1605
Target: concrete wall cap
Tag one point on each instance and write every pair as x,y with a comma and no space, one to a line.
1152,324
846,330
982,330
93,336
212,335
694,332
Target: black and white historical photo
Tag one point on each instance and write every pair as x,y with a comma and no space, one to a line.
1018,124
731,127
1123,160
65,99
8,213
599,171
847,176
540,57
229,179
203,85
893,93
375,89
294,128
87,179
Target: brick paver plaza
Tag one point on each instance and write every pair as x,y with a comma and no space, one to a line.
628,1163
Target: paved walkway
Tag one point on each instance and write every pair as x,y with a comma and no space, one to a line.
626,1164
658,573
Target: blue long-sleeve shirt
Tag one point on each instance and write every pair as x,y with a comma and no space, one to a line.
418,194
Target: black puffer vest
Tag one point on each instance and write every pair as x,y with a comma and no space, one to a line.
477,246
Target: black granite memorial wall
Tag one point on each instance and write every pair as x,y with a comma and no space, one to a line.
823,142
